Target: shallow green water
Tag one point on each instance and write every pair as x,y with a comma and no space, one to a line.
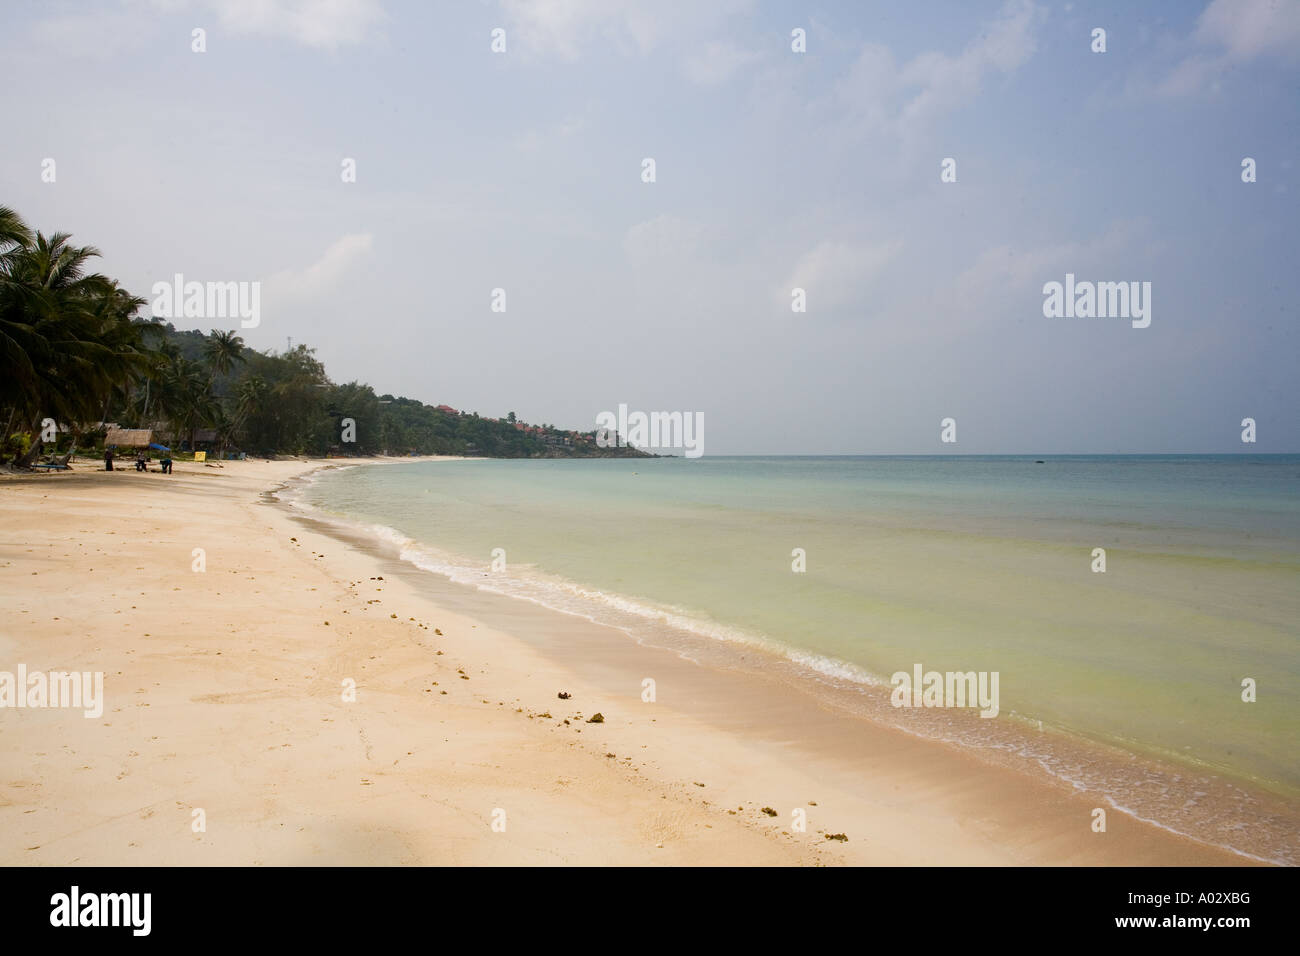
958,564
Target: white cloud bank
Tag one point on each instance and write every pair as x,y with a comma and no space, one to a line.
323,275
1231,33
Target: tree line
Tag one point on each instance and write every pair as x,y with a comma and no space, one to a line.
75,351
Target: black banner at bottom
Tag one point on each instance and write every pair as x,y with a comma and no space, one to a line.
331,906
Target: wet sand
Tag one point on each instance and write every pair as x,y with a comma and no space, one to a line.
225,692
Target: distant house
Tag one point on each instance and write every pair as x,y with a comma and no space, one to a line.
448,409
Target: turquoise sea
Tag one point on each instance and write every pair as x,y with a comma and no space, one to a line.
954,563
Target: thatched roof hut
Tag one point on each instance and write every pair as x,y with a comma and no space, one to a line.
129,437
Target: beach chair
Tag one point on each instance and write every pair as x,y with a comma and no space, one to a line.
56,463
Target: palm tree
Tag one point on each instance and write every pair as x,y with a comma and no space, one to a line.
250,397
185,399
66,336
14,235
13,232
223,350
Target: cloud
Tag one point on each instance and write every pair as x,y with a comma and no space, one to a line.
323,275
562,27
717,62
666,239
107,31
534,140
321,24
1231,33
838,274
565,28
945,82
99,34
1192,74
878,94
1251,28
1003,278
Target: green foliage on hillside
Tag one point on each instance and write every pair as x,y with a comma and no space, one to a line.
74,351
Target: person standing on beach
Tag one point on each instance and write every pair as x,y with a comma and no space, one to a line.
108,459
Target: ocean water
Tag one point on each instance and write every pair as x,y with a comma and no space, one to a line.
953,563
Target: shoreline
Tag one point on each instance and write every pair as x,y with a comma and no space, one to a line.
855,705
223,695
1182,798
651,784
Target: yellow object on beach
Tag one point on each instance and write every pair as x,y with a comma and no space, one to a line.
200,456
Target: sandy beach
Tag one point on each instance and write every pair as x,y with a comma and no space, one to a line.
225,693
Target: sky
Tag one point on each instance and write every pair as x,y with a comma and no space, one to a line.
523,170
